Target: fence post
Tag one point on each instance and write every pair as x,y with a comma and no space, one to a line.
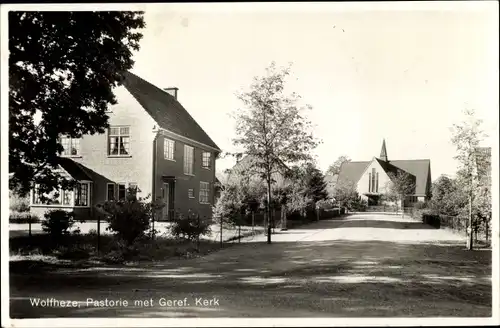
253,221
198,238
98,233
265,223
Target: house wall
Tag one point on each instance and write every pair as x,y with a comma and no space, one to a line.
136,168
183,183
363,182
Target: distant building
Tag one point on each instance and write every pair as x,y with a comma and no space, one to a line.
243,167
372,177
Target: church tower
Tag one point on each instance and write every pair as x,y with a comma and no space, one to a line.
383,152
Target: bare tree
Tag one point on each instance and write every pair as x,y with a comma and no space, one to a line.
272,130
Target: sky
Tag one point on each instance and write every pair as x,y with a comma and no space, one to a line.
402,73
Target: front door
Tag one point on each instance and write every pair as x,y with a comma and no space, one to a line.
164,196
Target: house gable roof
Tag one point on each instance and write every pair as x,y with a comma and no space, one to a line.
168,113
74,169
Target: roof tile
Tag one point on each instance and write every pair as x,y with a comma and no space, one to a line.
166,110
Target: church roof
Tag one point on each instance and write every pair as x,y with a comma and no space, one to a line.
352,171
420,168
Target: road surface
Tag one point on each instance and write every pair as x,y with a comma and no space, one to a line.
368,265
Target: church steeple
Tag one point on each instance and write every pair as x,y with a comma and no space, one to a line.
383,152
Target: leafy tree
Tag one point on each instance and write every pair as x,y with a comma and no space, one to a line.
272,129
332,174
467,137
447,196
240,195
334,169
401,185
62,68
315,184
346,194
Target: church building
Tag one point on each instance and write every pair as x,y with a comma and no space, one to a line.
372,178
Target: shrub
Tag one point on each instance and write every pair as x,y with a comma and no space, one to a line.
18,204
92,232
114,257
189,227
58,223
358,204
330,213
130,219
420,205
325,204
431,219
72,253
23,217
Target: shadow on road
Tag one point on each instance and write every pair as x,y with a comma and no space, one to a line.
355,221
328,278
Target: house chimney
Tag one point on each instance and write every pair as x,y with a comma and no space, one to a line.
173,91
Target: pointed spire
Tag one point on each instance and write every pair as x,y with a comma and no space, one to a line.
383,152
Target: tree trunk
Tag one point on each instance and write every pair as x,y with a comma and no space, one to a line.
268,209
470,241
403,206
283,218
486,229
221,240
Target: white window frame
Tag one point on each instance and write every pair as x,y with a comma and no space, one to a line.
188,160
114,191
119,136
191,193
203,160
72,203
204,192
70,145
169,149
88,195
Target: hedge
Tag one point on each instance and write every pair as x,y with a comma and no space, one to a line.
23,217
431,219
